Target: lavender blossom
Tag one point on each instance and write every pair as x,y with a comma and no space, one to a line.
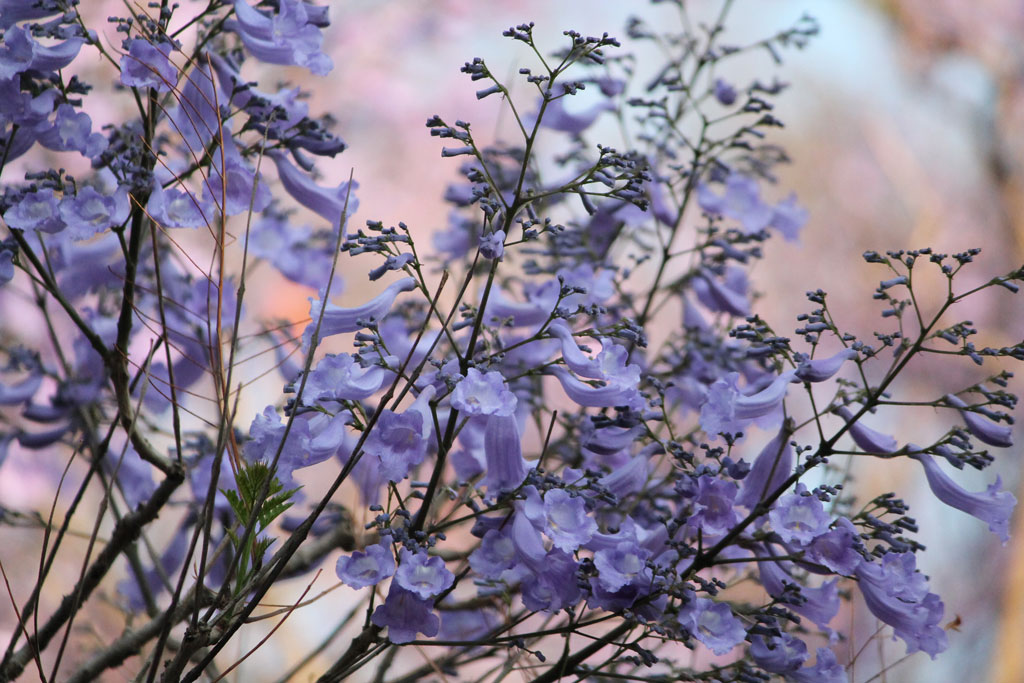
328,203
821,369
568,525
289,36
994,506
713,624
424,576
481,393
728,410
506,469
366,567
405,614
337,320
896,594
869,440
984,430
799,517
145,65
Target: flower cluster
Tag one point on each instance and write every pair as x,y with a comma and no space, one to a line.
524,466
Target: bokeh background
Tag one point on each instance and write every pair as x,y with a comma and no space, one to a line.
905,123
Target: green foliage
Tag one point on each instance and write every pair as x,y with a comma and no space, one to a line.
251,481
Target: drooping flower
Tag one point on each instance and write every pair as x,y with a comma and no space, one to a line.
728,410
868,439
837,548
624,564
405,614
770,469
557,117
984,430
898,596
338,320
338,377
71,131
289,36
820,369
36,211
506,468
326,202
714,509
173,208
782,654
994,506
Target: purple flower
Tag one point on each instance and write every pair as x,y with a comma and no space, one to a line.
725,295
727,410
788,217
836,548
404,614
467,624
541,301
782,654
820,369
289,36
557,118
20,392
826,669
741,201
506,468
178,208
338,320
898,595
553,586
714,509
243,191
820,604
399,441
19,52
36,211
799,517
326,202
994,506
90,212
984,430
869,440
624,564
72,130
713,624
367,567
492,246
481,393
495,554
196,118
6,266
145,65
568,525
339,377
609,395
422,575
769,471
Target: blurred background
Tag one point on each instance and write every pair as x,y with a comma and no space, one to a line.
905,124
